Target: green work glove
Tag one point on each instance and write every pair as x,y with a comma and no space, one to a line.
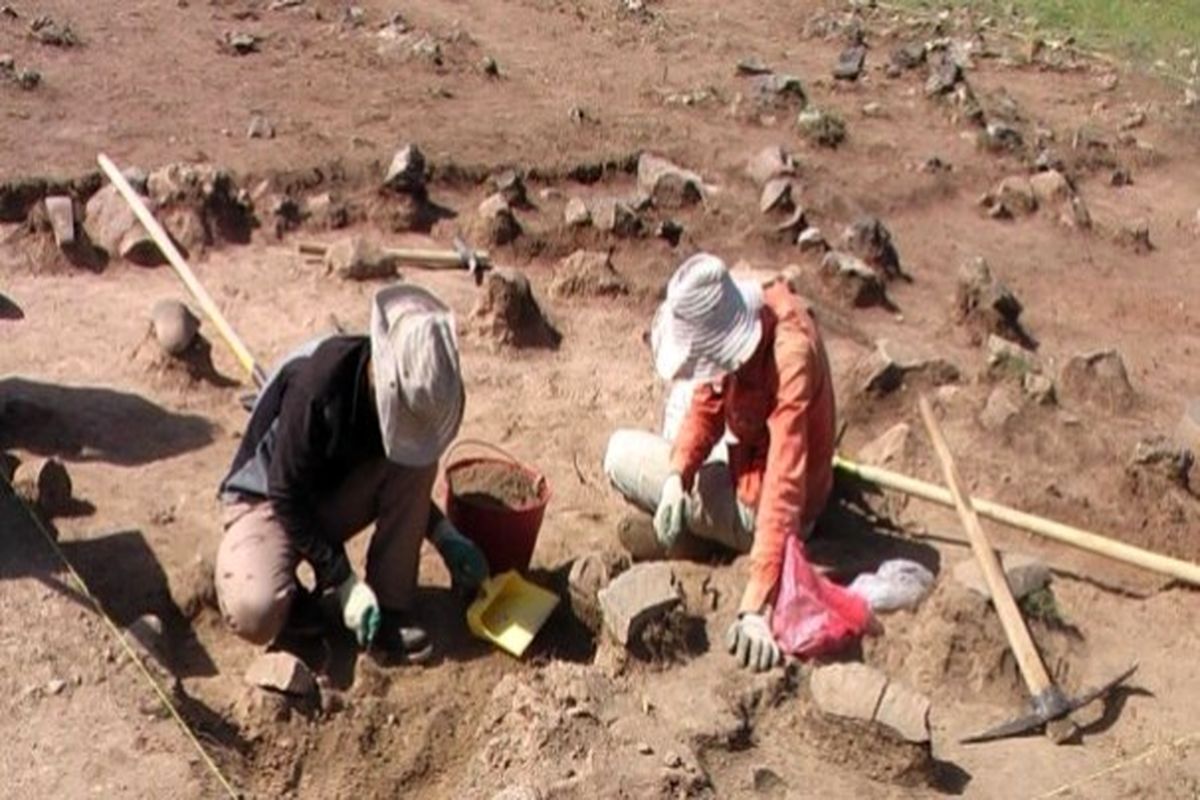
751,642
466,562
360,609
668,519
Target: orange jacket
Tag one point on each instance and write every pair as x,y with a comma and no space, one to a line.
779,407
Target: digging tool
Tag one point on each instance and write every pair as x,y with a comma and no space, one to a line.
1049,706
176,260
476,262
1066,534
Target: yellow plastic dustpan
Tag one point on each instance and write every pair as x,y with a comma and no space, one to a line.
510,611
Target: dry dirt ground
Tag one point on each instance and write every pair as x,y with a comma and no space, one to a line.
146,444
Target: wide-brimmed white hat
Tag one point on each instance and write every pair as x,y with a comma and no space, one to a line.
709,324
418,382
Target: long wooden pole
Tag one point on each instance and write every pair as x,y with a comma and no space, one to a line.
1037,679
1059,532
176,260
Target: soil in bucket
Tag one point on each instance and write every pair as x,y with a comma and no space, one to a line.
492,484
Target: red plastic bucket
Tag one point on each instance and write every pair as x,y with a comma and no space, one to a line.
506,535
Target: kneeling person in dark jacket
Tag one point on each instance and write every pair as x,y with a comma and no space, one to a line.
348,431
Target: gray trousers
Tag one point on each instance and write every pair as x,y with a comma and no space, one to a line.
638,464
256,562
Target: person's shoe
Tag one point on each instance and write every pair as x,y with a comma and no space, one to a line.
400,640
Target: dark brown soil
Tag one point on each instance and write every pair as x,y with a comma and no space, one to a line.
492,484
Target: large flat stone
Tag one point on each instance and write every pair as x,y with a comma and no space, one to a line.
905,711
641,594
281,672
848,690
1025,574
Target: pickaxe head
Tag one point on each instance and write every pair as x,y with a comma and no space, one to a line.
474,261
1047,707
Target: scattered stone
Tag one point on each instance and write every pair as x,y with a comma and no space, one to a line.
495,222
909,56
820,127
260,128
645,749
60,209
850,63
934,165
776,194
770,162
281,672
194,588
886,368
873,110
944,77
1132,121
776,90
905,711
869,239
889,448
587,273
55,686
148,633
848,690
1000,137
55,34
1164,456
1025,575
201,203
668,185
357,259
1039,388
111,226
985,305
11,311
240,43
1003,406
616,217
1006,357
576,214
765,780
791,227
407,171
508,315
670,231
489,66
853,280
640,595
175,326
510,184
326,211
752,66
811,239
44,485
1135,236
1097,378
1051,187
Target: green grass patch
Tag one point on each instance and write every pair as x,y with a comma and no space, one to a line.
1144,30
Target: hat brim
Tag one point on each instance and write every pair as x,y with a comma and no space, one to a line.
408,440
677,358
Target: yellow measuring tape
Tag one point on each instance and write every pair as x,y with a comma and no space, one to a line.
226,785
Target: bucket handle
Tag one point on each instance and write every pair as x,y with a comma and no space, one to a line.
495,449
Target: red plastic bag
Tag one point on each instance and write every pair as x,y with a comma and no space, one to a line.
813,615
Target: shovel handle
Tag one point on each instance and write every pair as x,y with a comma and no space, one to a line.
1037,680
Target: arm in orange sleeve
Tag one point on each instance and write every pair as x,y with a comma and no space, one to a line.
702,428
785,481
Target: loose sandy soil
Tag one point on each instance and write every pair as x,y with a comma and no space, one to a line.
147,443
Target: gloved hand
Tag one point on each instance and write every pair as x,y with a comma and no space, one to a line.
360,609
668,519
752,644
467,564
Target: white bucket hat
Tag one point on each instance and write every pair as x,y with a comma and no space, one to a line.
418,382
709,324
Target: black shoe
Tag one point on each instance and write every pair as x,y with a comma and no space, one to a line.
400,640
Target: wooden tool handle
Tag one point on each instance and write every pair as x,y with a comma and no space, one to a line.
175,258
1030,663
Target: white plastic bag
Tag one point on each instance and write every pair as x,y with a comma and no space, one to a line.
898,583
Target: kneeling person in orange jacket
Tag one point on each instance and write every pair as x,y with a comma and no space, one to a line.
762,375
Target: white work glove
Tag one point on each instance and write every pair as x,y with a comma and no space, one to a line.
751,642
668,519
360,609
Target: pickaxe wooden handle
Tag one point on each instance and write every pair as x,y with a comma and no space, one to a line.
436,259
